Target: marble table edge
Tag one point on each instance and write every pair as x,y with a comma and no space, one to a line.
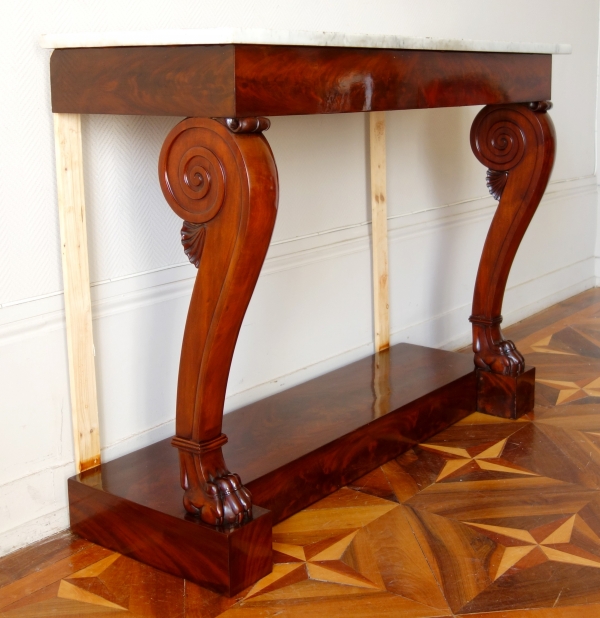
228,36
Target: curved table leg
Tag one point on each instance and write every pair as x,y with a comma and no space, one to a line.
517,144
220,177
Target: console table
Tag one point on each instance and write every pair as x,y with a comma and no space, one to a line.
204,509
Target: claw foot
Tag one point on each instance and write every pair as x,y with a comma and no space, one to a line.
212,493
494,353
222,502
503,359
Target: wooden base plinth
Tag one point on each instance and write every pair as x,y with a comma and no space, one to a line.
153,528
505,396
290,450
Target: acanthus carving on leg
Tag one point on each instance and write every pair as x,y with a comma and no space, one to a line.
192,239
220,177
517,143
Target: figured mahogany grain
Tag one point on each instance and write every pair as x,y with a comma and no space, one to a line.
284,80
159,81
318,436
506,396
149,524
272,80
316,428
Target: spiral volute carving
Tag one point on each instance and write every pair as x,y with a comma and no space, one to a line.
498,139
193,163
192,168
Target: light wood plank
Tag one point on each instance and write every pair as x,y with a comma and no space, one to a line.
76,280
381,303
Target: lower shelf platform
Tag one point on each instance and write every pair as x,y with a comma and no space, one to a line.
290,449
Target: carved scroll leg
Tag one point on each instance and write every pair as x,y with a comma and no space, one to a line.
220,177
517,144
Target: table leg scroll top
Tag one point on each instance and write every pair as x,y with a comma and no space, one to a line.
220,177
517,144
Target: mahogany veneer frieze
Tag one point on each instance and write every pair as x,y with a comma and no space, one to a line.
270,80
328,80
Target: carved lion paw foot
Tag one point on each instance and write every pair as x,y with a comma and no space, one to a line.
502,358
223,502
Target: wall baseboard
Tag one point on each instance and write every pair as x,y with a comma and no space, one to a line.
597,270
34,530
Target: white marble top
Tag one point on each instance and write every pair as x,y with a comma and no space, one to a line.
224,36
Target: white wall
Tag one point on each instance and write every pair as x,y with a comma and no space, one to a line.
312,309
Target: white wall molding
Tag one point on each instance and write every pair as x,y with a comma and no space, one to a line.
28,319
563,283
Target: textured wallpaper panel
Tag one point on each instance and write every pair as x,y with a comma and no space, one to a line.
29,257
132,229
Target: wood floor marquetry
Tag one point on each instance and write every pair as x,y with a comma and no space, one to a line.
491,518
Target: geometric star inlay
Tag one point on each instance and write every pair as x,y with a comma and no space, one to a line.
489,459
553,543
324,561
572,391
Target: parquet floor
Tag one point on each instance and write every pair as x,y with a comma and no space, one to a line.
491,518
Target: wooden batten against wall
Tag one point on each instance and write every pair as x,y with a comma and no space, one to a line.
381,303
76,280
